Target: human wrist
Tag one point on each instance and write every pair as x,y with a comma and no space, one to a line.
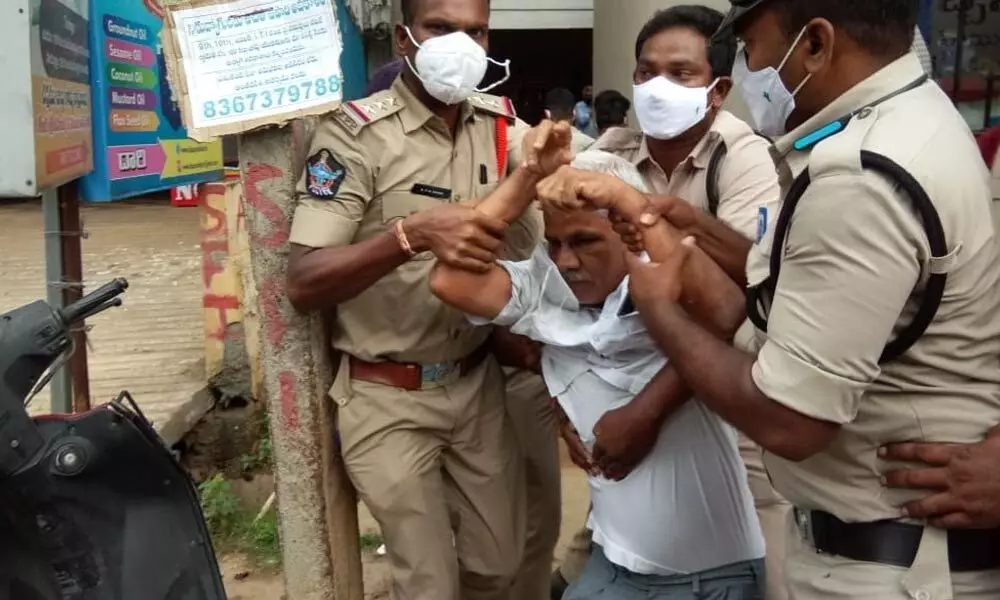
631,205
409,232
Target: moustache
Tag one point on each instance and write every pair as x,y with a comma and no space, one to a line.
574,277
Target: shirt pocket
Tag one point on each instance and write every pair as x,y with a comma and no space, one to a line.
401,204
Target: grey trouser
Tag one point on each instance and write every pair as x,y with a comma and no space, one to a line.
602,580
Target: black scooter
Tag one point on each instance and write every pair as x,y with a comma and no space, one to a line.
93,506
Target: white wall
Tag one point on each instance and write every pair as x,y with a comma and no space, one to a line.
616,25
542,14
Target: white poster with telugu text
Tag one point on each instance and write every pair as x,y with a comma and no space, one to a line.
248,63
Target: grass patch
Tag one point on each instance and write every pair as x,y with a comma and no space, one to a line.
261,456
233,528
370,542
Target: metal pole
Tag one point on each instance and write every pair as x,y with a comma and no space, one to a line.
956,84
991,81
72,268
59,386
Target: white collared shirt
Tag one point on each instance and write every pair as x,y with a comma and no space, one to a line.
687,507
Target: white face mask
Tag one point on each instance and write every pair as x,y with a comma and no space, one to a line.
667,109
769,101
451,66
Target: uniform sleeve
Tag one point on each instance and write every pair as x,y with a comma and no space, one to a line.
853,259
747,181
334,190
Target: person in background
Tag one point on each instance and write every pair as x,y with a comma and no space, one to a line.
559,108
611,110
583,113
382,78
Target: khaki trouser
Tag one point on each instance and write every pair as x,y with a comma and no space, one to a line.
440,471
535,423
772,511
577,553
815,576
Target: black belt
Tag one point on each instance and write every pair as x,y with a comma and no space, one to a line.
895,543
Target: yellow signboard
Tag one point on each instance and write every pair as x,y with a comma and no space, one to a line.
60,77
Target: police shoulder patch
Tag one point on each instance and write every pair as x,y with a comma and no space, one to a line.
324,175
500,106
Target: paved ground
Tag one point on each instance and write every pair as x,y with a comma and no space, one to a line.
154,345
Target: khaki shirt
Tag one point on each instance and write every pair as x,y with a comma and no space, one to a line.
580,141
393,157
854,255
996,193
747,179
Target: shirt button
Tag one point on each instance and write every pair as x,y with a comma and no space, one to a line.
922,595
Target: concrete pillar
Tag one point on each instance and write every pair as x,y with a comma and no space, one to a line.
616,25
316,502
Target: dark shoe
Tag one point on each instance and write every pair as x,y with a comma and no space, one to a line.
559,585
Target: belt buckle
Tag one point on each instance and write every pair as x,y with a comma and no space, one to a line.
803,521
438,373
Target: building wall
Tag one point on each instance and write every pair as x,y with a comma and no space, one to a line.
616,25
543,14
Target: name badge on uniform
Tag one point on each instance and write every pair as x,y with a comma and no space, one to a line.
421,189
761,223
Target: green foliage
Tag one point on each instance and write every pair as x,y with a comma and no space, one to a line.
371,541
232,525
261,457
223,511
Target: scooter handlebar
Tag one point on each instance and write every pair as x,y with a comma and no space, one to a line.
94,302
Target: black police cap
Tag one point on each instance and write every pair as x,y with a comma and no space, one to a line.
738,11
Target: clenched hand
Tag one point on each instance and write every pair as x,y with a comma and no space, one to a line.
547,147
459,236
680,214
624,438
570,189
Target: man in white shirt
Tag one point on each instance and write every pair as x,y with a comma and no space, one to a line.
682,524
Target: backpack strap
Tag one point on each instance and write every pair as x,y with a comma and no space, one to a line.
712,177
760,297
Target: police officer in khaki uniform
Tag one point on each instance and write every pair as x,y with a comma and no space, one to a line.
840,371
529,407
675,158
391,179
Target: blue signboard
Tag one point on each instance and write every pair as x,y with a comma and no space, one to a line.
140,145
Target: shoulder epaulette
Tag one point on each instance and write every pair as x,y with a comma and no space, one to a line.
500,106
840,151
618,139
355,115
